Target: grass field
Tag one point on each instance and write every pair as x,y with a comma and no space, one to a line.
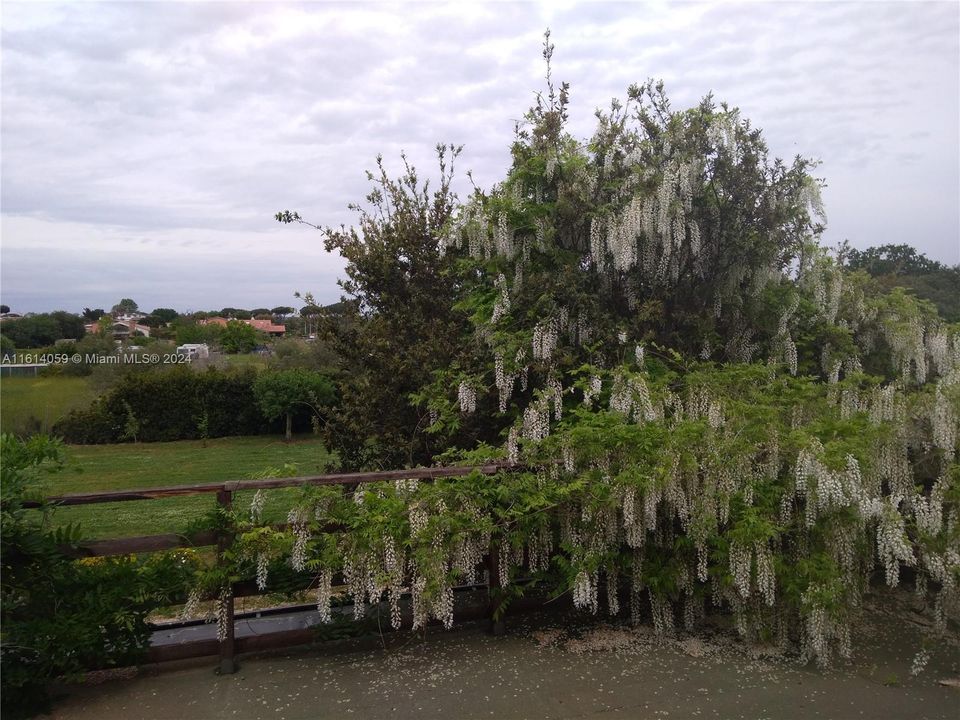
120,467
244,361
34,404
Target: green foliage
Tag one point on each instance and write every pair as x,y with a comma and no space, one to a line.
281,393
701,398
165,405
189,331
902,266
44,329
238,337
60,616
166,315
892,260
397,324
126,306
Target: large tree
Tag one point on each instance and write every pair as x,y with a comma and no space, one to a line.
704,407
282,393
238,337
126,306
398,322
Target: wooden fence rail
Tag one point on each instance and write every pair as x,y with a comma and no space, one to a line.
269,484
224,491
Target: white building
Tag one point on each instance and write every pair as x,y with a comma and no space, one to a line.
194,351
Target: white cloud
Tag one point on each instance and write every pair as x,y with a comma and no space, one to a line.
186,126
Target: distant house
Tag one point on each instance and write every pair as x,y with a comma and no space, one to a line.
126,317
264,326
122,329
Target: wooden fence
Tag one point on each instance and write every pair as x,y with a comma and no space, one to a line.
228,647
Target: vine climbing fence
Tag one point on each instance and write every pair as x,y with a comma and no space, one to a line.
227,645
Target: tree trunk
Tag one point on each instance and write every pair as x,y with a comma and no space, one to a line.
289,426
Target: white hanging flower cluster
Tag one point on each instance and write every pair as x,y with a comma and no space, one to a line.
503,381
928,511
468,556
394,569
406,486
766,577
263,562
937,344
833,294
466,398
223,603
418,518
892,465
825,489
820,630
592,390
501,306
504,560
360,578
787,347
944,423
544,340
700,405
503,237
585,594
324,594
192,606
540,549
297,519
513,451
421,611
662,611
655,231
256,506
741,562
905,340
885,404
536,420
630,396
893,545
471,224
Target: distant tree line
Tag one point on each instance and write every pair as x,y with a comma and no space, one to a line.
902,266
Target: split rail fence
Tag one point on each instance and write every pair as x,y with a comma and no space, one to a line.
230,645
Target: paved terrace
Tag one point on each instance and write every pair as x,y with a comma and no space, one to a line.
546,667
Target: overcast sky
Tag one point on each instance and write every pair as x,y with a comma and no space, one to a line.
146,146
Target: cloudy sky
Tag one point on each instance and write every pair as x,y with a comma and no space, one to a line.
146,146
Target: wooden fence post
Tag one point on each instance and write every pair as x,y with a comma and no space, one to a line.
228,664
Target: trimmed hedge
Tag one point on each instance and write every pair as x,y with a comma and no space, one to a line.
173,404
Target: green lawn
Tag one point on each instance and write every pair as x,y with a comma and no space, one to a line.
245,360
34,404
120,467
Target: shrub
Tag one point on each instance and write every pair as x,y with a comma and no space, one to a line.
165,405
60,616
